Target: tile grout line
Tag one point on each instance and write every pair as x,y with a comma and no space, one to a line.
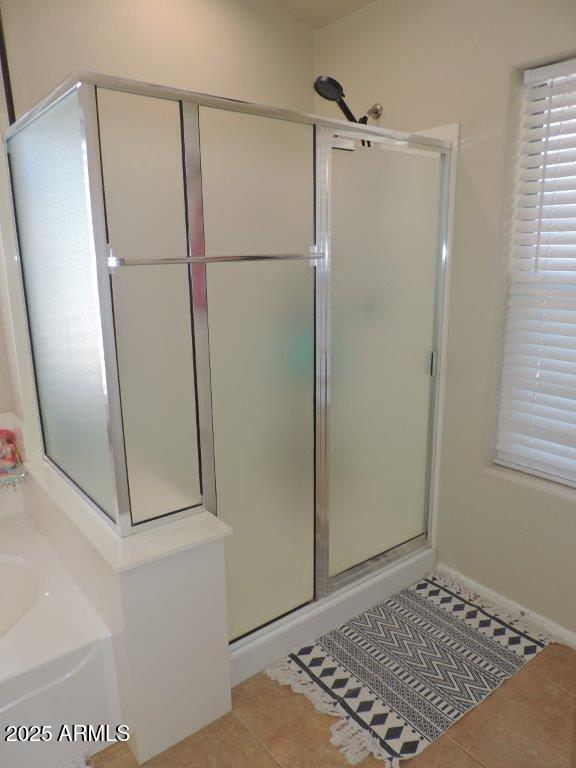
476,759
547,679
262,744
526,668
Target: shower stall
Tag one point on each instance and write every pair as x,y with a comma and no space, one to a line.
236,308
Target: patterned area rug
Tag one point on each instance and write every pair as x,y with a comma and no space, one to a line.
400,674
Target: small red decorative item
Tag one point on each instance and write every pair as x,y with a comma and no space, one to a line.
8,452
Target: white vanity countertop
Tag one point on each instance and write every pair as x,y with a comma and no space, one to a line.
137,549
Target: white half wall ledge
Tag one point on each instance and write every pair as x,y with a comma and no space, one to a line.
141,547
555,631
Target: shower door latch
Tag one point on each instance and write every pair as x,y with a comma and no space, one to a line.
433,363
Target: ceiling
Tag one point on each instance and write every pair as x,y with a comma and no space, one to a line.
317,13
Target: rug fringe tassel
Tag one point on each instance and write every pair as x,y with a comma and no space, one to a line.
514,619
287,673
353,741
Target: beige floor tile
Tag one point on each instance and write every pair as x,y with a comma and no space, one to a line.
289,726
557,663
225,743
527,723
443,753
116,756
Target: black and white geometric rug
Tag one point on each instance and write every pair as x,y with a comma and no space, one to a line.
400,674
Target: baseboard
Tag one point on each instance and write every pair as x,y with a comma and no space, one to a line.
555,631
260,649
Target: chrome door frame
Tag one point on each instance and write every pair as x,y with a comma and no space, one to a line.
327,139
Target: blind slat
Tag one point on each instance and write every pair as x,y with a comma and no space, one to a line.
543,225
567,237
559,115
536,158
547,131
546,213
544,250
534,300
556,172
544,104
539,399
539,196
555,184
554,87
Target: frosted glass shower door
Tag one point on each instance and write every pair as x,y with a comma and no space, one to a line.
385,219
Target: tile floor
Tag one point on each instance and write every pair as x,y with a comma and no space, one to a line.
529,722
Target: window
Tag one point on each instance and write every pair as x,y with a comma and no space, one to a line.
537,421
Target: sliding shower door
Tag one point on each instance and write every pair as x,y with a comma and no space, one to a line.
385,215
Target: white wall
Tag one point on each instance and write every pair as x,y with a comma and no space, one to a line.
432,62
244,49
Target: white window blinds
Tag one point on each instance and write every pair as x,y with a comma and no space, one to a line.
537,422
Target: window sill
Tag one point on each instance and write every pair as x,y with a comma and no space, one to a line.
532,481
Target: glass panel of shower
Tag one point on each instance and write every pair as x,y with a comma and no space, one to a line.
258,203
55,237
146,221
385,219
257,184
262,363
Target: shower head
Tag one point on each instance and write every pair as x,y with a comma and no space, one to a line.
331,90
328,88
